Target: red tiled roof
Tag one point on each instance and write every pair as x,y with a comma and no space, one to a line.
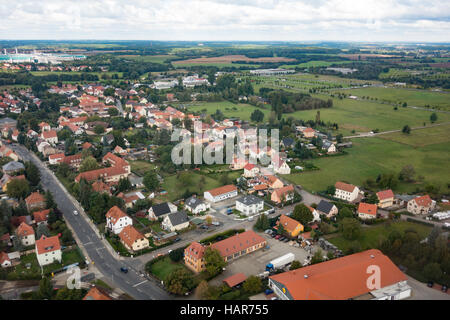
235,279
99,173
367,208
35,197
96,294
40,216
56,156
47,244
339,279
49,134
283,191
195,249
344,186
222,190
129,235
423,201
385,194
115,214
4,257
288,223
86,145
24,230
260,187
237,243
249,166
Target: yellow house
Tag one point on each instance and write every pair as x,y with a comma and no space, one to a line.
132,239
385,198
291,226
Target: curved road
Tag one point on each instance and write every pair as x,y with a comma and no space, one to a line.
132,283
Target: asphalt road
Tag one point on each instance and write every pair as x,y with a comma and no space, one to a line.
132,282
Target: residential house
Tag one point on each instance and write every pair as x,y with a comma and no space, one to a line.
116,220
249,205
25,233
96,293
283,194
221,193
309,133
50,137
132,239
48,250
329,146
272,181
13,167
385,198
367,211
343,278
175,221
421,205
287,143
315,213
74,161
193,257
161,210
35,201
346,191
41,217
291,227
5,261
56,158
250,170
280,166
196,205
327,209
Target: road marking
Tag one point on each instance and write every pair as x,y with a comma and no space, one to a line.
138,284
85,244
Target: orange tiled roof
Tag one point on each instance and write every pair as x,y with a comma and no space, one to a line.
96,294
115,213
235,279
367,208
40,216
237,243
222,190
24,230
288,223
385,194
99,173
35,197
285,190
423,201
195,249
344,186
129,235
49,134
47,244
338,279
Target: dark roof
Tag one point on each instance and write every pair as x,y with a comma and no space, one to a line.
193,202
249,200
325,206
178,217
161,209
288,142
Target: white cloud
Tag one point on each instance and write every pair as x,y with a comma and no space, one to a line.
227,20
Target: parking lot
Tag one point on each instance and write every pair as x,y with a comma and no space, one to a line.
255,263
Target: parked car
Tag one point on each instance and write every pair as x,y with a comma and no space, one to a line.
286,240
281,238
177,239
444,288
268,291
124,269
430,284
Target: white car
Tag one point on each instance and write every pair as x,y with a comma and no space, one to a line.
75,212
447,224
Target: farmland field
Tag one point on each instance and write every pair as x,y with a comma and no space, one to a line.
241,110
370,157
153,59
231,58
418,98
314,64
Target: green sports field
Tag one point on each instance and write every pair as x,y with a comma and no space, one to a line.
230,110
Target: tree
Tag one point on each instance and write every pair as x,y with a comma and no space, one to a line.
406,129
202,290
302,214
41,230
179,281
98,129
88,164
45,291
433,117
123,185
331,190
214,262
32,173
350,228
176,255
49,201
151,181
295,265
317,257
280,229
407,173
345,213
18,188
432,271
257,116
253,284
262,223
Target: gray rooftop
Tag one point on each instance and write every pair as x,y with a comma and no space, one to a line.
193,202
178,218
250,200
13,166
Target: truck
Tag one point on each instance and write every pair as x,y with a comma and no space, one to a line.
280,262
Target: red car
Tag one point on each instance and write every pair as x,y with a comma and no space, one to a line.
278,237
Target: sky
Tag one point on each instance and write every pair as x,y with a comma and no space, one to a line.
231,20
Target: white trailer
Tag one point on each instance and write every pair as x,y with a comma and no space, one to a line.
280,262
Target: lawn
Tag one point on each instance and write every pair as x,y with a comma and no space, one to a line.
230,110
370,157
373,235
141,167
162,268
418,98
176,189
310,64
153,59
422,137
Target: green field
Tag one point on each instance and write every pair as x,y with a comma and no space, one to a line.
370,157
418,98
230,110
141,167
421,137
216,64
154,59
310,64
99,74
372,236
162,268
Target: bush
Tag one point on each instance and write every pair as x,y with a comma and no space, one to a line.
176,255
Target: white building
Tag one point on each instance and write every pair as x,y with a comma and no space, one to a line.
175,221
345,191
48,250
221,193
196,205
116,220
250,205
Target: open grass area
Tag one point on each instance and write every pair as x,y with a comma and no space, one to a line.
216,64
141,167
153,59
198,183
99,74
241,110
162,268
372,236
418,98
310,64
364,116
421,137
370,157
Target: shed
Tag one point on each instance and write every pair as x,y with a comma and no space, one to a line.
235,279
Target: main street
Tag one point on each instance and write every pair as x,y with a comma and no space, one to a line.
137,286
